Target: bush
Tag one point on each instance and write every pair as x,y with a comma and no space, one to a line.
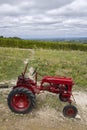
64,45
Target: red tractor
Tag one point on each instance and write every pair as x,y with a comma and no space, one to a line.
22,97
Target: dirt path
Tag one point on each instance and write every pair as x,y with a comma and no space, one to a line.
81,100
45,118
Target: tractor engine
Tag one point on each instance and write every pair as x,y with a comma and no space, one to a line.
62,88
58,85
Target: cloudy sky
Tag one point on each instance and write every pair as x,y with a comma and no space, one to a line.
43,18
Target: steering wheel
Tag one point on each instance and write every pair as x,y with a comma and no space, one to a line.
34,71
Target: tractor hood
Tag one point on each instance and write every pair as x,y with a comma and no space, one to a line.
57,80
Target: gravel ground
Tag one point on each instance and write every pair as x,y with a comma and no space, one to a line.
45,118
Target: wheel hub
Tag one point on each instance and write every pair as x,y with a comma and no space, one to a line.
70,112
20,101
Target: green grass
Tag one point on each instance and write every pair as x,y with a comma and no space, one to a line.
49,62
65,63
11,62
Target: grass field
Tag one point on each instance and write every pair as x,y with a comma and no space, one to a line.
48,109
49,62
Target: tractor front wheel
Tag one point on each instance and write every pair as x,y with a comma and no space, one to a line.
70,111
21,100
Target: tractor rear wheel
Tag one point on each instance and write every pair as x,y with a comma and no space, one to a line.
63,97
70,111
21,100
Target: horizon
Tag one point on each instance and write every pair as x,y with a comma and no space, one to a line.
51,38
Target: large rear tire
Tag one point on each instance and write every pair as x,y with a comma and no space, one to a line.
70,111
21,100
64,97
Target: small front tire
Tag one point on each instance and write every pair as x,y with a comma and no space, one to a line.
70,111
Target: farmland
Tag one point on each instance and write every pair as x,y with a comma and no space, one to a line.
48,109
49,62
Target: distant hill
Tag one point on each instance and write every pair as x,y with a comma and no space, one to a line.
79,39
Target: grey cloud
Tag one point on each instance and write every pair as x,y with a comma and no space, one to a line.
51,4
19,7
43,18
76,8
10,1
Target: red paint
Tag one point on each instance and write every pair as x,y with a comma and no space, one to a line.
54,84
20,102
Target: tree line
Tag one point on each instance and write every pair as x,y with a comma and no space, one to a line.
16,42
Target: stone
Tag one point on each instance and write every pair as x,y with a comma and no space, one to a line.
78,117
